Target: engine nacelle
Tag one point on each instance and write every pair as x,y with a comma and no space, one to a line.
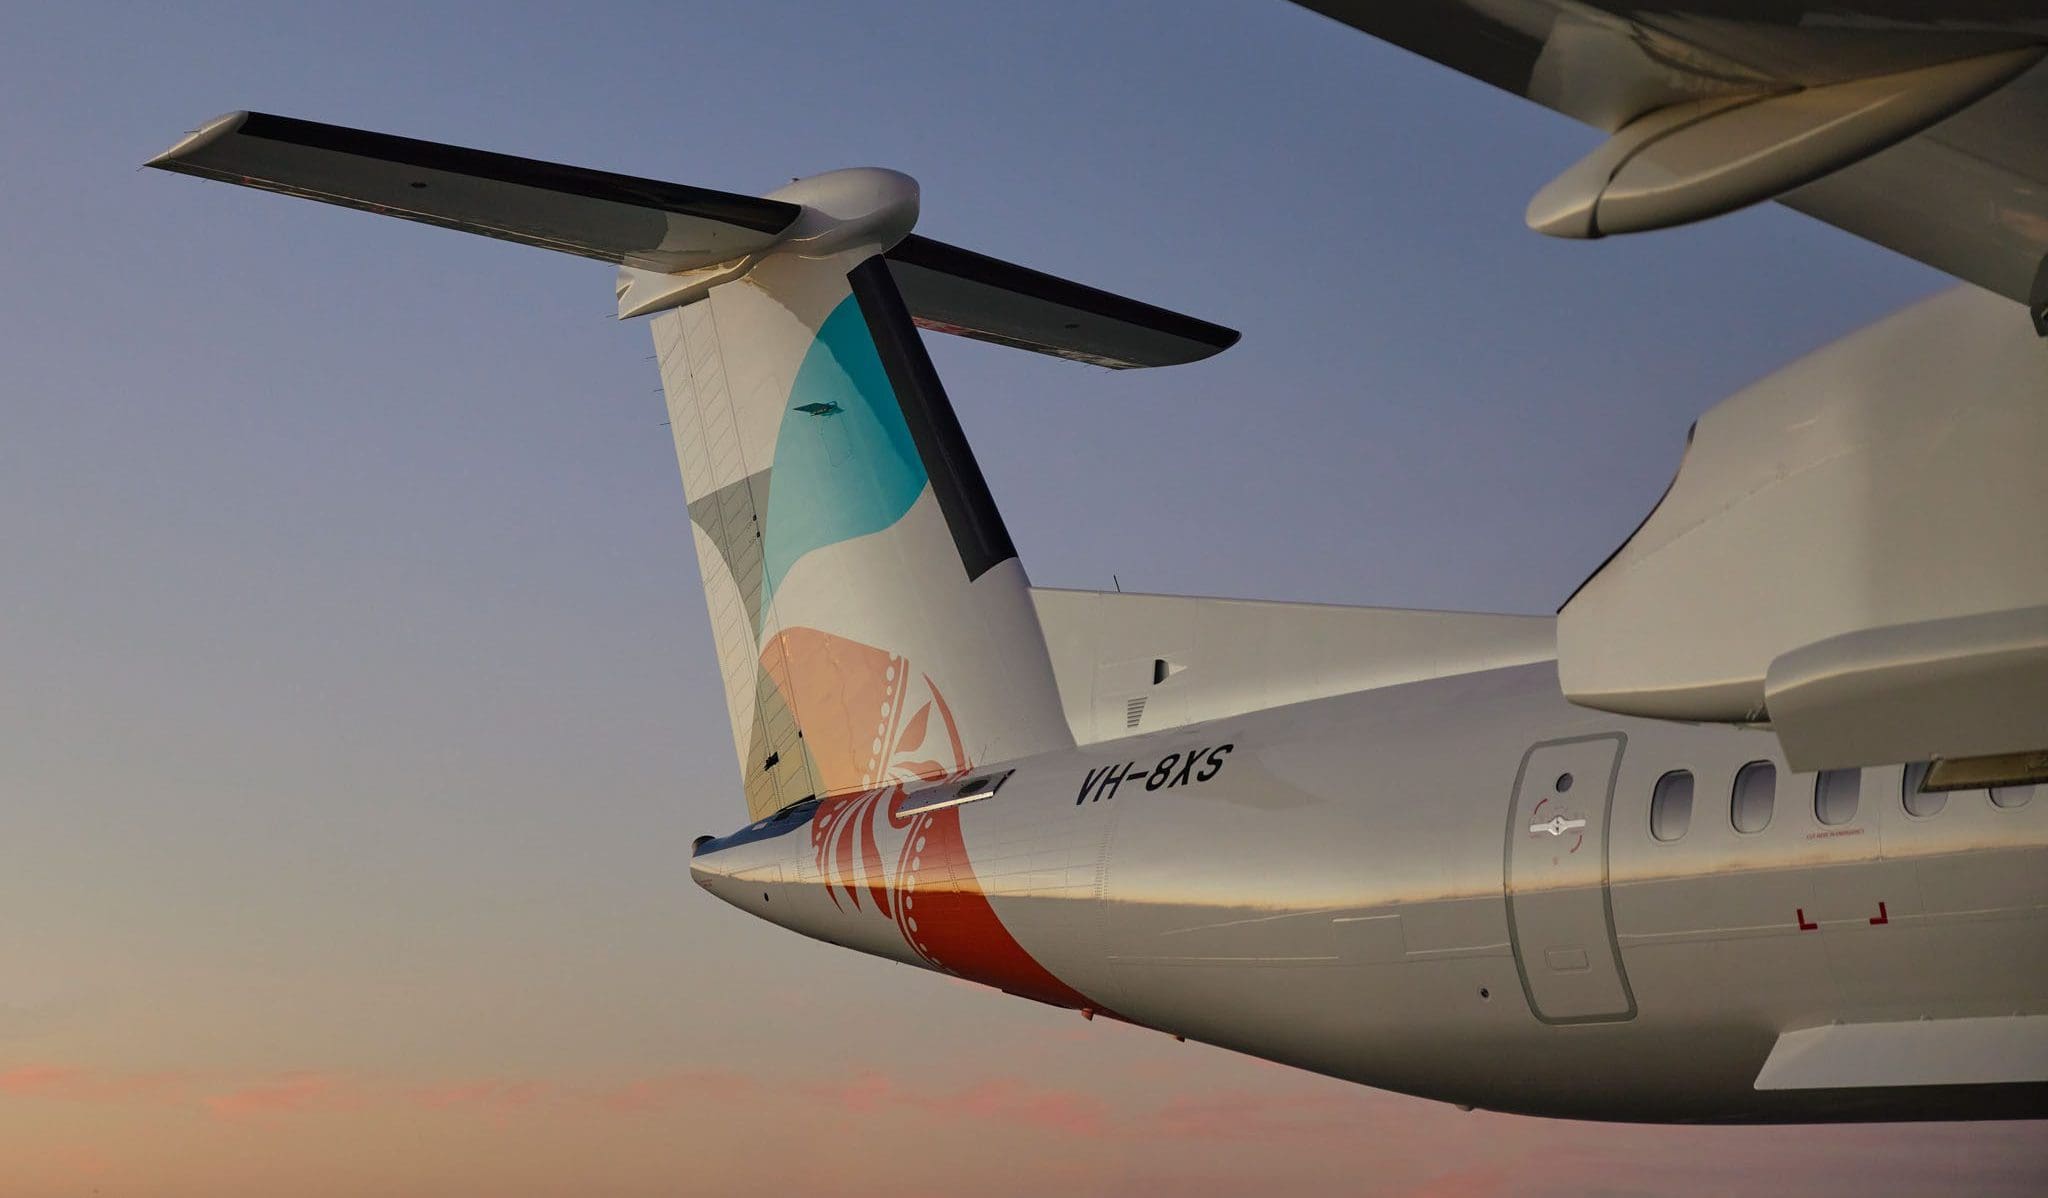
1855,551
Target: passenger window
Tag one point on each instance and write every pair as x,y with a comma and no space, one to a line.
1834,795
2012,796
1756,789
1671,805
1916,801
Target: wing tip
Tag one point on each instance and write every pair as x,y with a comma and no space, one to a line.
207,134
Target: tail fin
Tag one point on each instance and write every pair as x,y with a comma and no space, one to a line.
871,617
872,621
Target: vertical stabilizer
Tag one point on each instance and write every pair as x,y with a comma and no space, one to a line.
872,621
871,618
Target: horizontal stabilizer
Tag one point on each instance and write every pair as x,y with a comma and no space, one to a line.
673,241
615,218
951,290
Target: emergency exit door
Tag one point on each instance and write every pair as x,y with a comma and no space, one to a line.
1559,917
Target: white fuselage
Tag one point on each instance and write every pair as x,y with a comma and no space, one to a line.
1388,887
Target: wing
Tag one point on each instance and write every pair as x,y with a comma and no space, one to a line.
1912,123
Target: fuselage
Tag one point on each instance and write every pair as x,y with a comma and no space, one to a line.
1446,880
1454,889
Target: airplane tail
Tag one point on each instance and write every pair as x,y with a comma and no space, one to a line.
872,621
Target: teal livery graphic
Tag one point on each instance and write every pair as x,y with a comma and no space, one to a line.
845,462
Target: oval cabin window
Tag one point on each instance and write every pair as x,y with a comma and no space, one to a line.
2012,796
1922,803
1834,795
1756,789
1671,805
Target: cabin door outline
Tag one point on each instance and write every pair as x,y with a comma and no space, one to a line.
1560,907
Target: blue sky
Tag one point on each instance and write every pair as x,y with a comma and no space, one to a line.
359,702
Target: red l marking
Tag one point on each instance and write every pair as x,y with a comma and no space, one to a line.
1882,916
1808,927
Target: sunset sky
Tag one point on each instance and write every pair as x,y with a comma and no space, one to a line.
357,702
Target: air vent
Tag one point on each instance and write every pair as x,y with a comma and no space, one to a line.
953,794
1134,710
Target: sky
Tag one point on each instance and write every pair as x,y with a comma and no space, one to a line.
357,706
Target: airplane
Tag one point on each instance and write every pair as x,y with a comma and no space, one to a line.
1754,829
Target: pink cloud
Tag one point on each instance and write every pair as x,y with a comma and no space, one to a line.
665,1091
286,1094
1471,1181
496,1093
40,1081
1220,1141
76,1083
868,1090
1011,1101
301,1091
1002,1100
1220,1115
1241,1114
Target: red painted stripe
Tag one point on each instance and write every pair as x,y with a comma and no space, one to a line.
948,919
